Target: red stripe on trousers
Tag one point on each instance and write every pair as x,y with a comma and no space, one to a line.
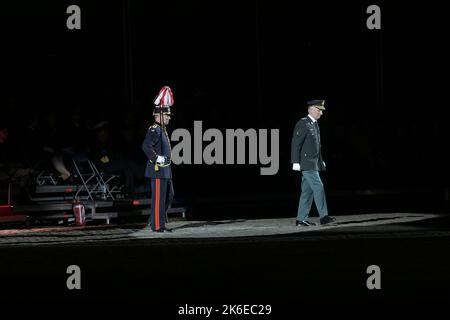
157,204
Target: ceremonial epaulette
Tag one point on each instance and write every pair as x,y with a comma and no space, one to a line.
153,126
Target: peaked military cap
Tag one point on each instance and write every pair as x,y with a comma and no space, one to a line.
319,104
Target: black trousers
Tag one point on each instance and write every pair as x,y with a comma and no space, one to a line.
162,196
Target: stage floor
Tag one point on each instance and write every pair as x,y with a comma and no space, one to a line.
347,226
232,261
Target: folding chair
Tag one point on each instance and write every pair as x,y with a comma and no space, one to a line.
45,178
94,182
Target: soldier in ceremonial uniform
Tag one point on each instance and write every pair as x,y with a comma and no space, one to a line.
306,157
158,150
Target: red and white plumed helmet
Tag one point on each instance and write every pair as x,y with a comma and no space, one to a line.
163,101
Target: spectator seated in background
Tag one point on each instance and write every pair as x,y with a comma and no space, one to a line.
52,144
109,158
62,138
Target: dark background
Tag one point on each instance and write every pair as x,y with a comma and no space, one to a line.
251,65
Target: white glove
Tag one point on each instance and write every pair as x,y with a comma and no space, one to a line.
161,160
296,166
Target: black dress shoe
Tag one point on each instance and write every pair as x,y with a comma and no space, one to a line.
304,223
327,219
164,230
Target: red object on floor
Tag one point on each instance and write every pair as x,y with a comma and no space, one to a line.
79,212
6,210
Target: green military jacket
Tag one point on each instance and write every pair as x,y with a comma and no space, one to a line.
305,145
